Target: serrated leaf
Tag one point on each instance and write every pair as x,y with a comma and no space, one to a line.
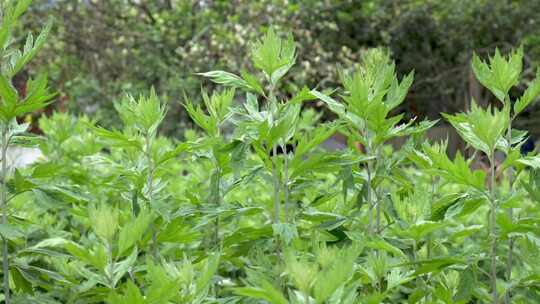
531,94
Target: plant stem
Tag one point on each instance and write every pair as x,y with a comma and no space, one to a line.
492,231
150,188
428,243
370,204
3,207
510,212
275,174
369,194
378,205
286,183
276,178
415,259
217,200
111,264
150,164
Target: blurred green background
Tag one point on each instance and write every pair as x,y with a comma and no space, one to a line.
102,49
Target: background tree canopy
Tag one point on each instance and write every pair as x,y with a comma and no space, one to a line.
101,49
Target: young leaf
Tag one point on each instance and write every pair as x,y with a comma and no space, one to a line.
500,74
133,231
274,55
531,94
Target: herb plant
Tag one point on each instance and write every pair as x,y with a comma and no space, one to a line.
250,208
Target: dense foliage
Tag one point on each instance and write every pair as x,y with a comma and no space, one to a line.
249,208
102,49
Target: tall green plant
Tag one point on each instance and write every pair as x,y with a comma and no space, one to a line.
212,123
483,131
13,104
490,130
371,93
274,125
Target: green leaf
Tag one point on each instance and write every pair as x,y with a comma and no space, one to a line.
229,79
133,231
122,267
143,114
265,291
30,49
9,99
456,171
423,228
482,129
104,221
531,94
116,138
210,267
208,123
336,274
131,295
381,244
274,55
10,18
530,161
177,231
10,232
37,96
285,232
252,82
163,287
311,141
398,91
440,206
325,162
331,103
433,266
8,92
500,74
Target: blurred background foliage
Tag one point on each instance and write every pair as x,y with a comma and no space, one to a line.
101,49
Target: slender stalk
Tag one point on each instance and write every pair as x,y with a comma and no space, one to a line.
111,264
415,259
216,193
276,179
306,296
428,244
510,212
369,194
378,205
150,164
217,200
275,174
286,183
150,187
3,207
492,232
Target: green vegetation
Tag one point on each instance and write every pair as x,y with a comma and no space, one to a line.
248,207
101,50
